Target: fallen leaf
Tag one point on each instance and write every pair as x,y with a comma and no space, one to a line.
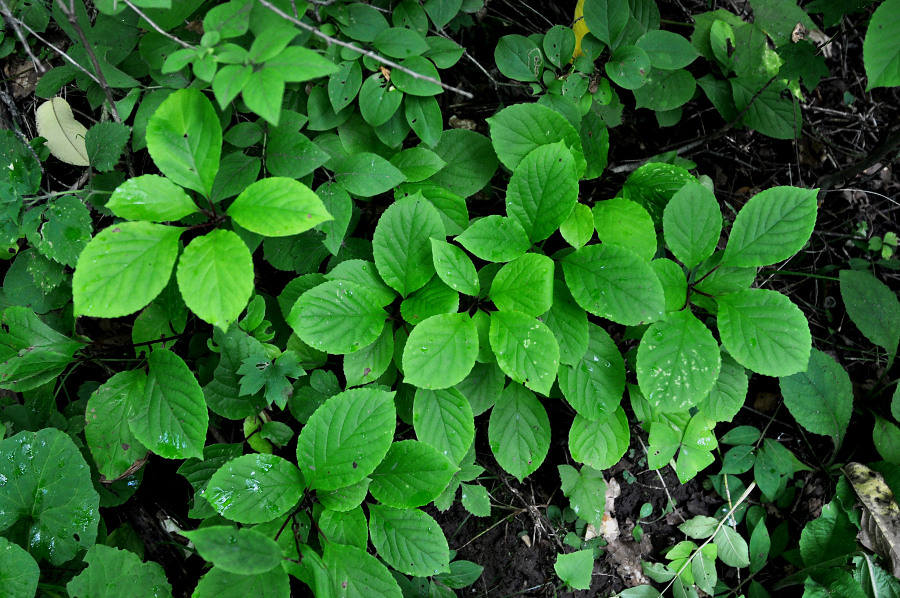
880,525
64,134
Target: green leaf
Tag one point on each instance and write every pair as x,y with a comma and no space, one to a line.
417,85
151,197
454,267
296,64
171,419
409,540
432,299
606,19
697,445
105,143
184,138
45,488
412,474
255,488
112,572
495,239
444,419
229,81
764,332
369,363
449,205
33,353
628,67
525,285
586,491
559,45
543,190
703,568
526,350
365,274
263,94
482,386
760,544
19,572
692,223
820,398
568,323
124,268
400,42
766,110
366,174
424,116
378,100
677,362
338,203
278,207
627,224
346,438
222,393
418,163
653,185
593,386
215,277
441,351
774,225
728,394
595,142
63,230
347,527
667,50
519,58
471,161
880,54
600,444
575,568
699,527
402,243
344,84
258,371
358,574
243,551
578,228
476,500
441,12
290,153
519,431
873,307
615,283
665,90
732,548
112,443
338,317
519,129
218,583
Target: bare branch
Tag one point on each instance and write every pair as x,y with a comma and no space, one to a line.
38,66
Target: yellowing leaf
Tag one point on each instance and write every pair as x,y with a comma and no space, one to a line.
881,514
64,134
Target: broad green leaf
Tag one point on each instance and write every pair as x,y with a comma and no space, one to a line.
673,281
519,431
215,277
820,398
63,229
424,116
255,488
586,491
886,437
697,445
625,223
728,393
218,583
454,267
678,362
112,573
345,527
482,386
526,349
244,551
105,143
703,567
363,273
766,110
338,203
519,58
19,572
524,284
297,64
653,185
449,205
575,568
418,163
400,42
441,12
198,473
366,174
559,45
46,490
774,225
432,299
444,419
873,307
278,207
413,85
475,499
151,197
881,57
829,537
600,444
471,161
412,474
519,129
667,50
346,438
568,323
369,363
543,190
343,85
124,268
594,385
171,419
402,243
229,81
732,548
692,223
111,441
290,153
338,317
594,135
760,543
615,283
184,138
440,351
33,354
346,498
462,574
666,91
606,19
699,527
764,332
641,591
378,100
263,94
358,574
628,67
236,171
578,228
495,239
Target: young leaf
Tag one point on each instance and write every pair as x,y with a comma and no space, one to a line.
873,307
625,223
692,223
599,444
254,488
409,540
678,362
359,574
124,268
444,419
112,572
524,284
614,283
106,427
184,138
243,551
258,371
215,277
586,491
575,569
519,431
440,351
697,445
518,129
820,398
412,474
151,197
338,317
543,190
476,500
526,350
764,332
278,207
65,135
495,239
454,267
594,385
171,418
774,225
346,438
